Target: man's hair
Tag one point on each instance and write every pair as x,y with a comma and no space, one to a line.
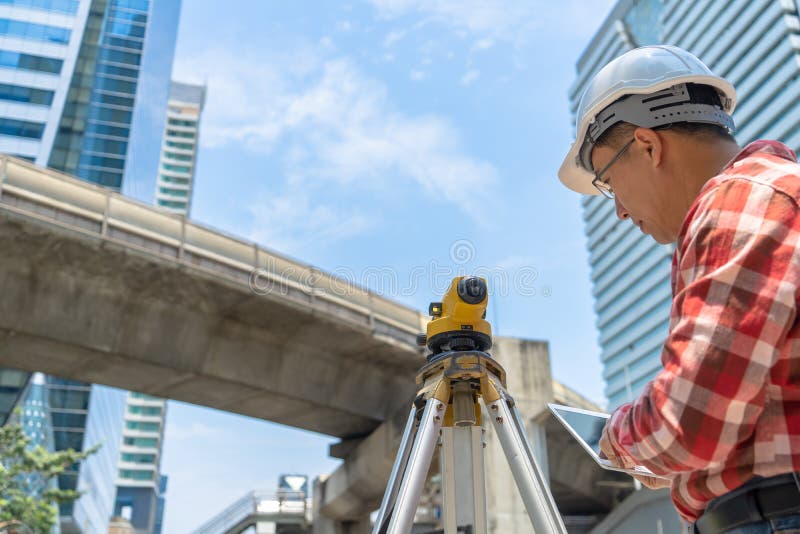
621,133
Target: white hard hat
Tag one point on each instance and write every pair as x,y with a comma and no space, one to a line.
639,74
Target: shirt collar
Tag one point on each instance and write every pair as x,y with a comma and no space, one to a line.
775,148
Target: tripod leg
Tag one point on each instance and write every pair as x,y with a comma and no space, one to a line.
399,509
387,504
531,483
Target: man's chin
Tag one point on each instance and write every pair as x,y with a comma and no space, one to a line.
663,240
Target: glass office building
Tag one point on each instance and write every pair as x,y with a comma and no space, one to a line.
68,77
84,416
63,414
755,45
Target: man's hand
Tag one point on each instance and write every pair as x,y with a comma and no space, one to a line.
606,451
653,482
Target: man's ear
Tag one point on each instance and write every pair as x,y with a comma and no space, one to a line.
652,143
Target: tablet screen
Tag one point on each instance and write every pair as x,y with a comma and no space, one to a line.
588,426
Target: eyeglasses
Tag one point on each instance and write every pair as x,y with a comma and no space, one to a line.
605,187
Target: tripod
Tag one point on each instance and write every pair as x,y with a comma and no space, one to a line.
447,410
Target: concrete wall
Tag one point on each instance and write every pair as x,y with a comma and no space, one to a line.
527,365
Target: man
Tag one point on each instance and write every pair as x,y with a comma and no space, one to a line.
722,419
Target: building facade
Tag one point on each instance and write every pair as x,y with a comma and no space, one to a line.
98,423
756,46
140,488
69,71
179,149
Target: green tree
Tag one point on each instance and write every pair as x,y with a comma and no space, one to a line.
26,493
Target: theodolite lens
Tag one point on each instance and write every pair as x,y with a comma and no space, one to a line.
472,289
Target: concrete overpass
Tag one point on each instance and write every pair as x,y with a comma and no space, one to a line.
100,288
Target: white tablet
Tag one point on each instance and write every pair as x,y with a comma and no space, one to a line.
587,428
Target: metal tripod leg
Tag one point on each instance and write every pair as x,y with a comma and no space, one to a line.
531,483
396,515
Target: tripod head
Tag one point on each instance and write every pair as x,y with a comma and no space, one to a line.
459,320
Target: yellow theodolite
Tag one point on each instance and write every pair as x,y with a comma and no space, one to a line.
459,320
459,388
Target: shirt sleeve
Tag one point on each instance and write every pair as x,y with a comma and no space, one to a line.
729,318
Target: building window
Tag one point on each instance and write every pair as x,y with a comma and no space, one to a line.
37,32
147,443
172,204
28,95
141,5
173,192
15,60
136,475
176,168
144,396
139,458
31,130
61,6
173,180
125,29
101,161
144,427
144,410
129,16
184,123
175,133
178,157
180,146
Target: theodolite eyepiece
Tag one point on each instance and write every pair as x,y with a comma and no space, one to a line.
459,319
472,289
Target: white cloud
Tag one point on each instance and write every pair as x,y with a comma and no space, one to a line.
329,125
483,44
393,36
293,222
510,20
487,17
344,25
470,77
417,75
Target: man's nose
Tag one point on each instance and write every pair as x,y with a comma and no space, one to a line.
622,213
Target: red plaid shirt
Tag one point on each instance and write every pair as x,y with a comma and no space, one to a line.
726,406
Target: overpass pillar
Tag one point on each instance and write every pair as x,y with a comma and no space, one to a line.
327,525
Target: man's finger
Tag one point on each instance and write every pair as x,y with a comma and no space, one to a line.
653,482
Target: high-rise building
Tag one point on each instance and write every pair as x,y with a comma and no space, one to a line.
179,150
140,488
756,46
84,416
68,77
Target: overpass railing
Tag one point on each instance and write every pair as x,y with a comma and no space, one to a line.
279,507
82,207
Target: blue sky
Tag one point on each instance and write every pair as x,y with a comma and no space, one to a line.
403,136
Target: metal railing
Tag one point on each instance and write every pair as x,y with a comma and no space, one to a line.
281,507
91,210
